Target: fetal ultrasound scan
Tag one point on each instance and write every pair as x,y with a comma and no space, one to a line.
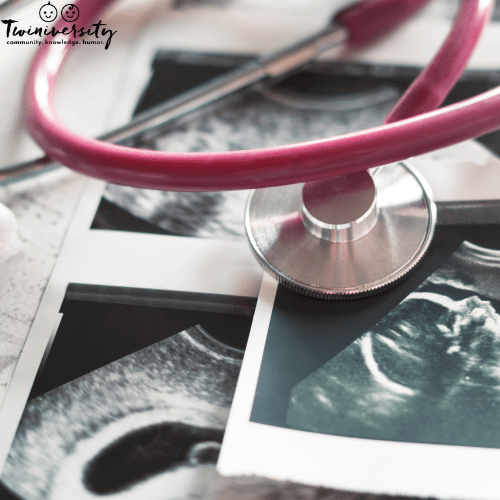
142,419
427,372
417,365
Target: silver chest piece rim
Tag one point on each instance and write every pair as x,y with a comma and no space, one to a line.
345,237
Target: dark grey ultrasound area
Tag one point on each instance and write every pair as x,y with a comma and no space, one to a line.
426,372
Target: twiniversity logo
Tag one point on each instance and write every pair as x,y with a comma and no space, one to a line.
20,35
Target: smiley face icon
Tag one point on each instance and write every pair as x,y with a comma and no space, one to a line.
70,12
48,12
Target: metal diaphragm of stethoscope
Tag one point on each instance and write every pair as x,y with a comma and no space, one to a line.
345,237
326,218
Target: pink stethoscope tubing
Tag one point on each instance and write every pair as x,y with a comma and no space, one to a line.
275,166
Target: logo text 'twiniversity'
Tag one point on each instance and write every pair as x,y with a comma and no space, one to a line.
96,30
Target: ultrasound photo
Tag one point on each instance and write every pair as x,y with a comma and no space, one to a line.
324,100
416,364
132,402
251,123
427,372
304,107
146,425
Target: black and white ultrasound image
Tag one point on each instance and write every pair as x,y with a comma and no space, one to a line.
427,372
420,365
133,398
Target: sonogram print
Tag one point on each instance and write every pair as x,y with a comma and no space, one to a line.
149,425
428,372
247,124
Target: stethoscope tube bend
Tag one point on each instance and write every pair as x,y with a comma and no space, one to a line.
342,217
270,166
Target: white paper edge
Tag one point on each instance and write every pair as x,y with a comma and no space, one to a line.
363,465
104,258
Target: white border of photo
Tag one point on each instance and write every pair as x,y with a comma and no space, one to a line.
362,465
126,259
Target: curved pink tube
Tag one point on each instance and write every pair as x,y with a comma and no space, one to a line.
241,169
430,88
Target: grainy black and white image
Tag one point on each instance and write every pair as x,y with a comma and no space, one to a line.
427,372
132,402
146,425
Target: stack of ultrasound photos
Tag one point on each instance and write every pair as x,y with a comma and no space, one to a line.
134,396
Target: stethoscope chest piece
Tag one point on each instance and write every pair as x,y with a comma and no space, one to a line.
344,237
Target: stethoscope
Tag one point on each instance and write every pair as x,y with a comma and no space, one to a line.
318,221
